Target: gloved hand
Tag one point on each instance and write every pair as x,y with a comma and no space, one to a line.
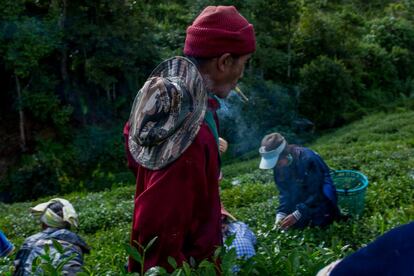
279,218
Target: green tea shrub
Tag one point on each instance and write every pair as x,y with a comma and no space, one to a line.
245,194
240,168
380,145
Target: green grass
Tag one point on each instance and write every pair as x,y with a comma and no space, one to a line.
381,146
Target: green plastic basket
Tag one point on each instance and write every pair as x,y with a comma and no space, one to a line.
350,187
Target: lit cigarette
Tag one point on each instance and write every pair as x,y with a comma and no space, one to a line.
245,99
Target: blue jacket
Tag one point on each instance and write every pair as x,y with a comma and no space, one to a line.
305,185
6,247
390,254
34,246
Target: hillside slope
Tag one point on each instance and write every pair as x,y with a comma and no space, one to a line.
381,146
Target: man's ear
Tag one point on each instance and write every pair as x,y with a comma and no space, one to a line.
224,61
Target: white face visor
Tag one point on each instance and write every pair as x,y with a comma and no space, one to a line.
269,158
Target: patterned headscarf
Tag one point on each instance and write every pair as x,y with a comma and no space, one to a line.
51,219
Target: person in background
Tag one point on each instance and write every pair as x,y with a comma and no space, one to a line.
307,196
390,254
6,247
244,239
172,140
57,217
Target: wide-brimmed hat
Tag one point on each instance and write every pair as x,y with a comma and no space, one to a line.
167,113
271,147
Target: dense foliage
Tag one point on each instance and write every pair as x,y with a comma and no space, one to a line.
381,146
70,70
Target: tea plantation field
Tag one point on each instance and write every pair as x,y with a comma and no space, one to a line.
381,146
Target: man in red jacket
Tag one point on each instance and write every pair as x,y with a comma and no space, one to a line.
172,140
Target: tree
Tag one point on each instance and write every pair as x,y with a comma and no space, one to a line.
275,24
325,88
29,41
111,49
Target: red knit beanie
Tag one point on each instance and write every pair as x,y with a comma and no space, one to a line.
219,30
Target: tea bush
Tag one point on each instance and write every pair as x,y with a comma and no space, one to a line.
380,145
